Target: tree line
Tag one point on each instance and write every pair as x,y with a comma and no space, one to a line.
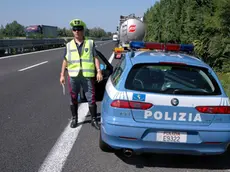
205,23
15,29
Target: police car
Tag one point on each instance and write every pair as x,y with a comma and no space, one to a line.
160,98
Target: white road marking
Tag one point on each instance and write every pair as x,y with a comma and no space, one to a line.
111,58
32,66
57,156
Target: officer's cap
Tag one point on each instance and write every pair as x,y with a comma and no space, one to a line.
77,23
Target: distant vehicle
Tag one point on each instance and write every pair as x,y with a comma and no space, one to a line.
164,101
115,37
43,31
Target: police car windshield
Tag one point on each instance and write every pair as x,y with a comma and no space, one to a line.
172,79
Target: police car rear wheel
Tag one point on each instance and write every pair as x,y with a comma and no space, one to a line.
103,146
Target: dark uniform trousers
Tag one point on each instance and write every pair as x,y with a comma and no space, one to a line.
88,85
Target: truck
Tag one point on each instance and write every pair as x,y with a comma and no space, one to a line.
115,37
41,31
130,28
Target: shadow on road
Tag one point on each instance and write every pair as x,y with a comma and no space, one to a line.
220,162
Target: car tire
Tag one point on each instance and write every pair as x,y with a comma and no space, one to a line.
104,146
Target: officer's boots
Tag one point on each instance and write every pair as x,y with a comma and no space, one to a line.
93,112
74,111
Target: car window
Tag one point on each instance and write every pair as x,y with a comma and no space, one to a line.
171,79
101,61
118,71
104,63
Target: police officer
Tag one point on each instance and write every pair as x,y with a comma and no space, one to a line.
83,68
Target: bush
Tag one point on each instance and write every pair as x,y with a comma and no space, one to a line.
225,81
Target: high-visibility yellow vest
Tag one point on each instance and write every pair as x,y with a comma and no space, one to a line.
87,59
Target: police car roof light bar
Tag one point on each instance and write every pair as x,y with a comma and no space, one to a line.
161,46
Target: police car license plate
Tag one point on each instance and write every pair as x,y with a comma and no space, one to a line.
168,136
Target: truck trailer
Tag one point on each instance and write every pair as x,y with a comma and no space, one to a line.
130,28
42,31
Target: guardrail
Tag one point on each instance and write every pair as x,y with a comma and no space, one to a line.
13,46
29,43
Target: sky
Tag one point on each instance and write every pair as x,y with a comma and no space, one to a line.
95,13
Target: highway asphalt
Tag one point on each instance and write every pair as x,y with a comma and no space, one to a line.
35,133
